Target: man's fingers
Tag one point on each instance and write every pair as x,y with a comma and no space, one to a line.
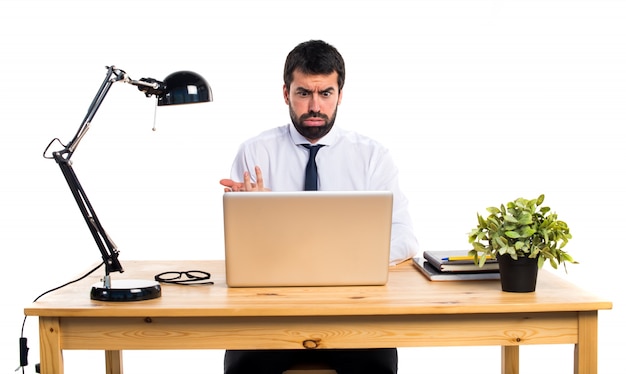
227,182
259,178
247,184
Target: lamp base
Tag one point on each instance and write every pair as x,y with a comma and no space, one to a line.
126,290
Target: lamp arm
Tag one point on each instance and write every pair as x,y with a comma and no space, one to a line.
103,241
113,75
105,244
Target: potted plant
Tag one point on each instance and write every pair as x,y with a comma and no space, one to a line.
522,235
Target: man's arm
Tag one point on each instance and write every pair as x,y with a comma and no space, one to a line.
404,243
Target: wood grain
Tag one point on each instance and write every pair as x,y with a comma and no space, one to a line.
409,311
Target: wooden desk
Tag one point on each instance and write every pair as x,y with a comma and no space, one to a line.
409,311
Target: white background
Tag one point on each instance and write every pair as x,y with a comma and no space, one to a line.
480,102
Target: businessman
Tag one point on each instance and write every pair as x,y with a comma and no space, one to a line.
310,153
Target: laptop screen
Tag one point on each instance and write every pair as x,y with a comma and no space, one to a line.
319,238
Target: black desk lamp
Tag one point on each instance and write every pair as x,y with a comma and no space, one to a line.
183,87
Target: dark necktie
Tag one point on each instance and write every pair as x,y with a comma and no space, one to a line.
310,176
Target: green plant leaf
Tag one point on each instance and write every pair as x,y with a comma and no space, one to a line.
525,218
493,210
512,234
540,199
499,241
509,218
527,232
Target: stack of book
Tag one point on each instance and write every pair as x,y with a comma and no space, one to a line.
455,265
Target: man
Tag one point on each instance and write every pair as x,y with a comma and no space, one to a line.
314,76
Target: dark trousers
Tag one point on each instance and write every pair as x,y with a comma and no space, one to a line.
344,361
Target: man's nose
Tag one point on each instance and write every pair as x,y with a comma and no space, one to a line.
314,104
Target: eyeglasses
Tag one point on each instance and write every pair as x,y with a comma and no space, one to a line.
189,277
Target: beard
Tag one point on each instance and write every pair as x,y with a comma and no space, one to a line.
312,132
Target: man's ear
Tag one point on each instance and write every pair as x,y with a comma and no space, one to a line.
286,94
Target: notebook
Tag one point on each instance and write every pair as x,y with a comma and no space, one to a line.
304,238
433,274
458,261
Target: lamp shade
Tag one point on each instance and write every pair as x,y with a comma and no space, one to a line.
185,87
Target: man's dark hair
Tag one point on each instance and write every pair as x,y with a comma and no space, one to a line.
314,57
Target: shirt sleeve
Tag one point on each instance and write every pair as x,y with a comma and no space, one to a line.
404,243
246,159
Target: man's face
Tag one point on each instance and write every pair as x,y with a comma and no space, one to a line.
313,102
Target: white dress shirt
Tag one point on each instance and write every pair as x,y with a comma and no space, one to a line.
348,161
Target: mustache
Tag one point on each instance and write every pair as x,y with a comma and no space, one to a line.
313,115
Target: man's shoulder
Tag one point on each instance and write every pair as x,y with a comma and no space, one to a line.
276,133
357,138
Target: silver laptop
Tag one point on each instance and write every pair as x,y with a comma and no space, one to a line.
321,238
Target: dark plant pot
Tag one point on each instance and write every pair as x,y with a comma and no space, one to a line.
518,275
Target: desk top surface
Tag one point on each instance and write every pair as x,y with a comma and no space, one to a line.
407,292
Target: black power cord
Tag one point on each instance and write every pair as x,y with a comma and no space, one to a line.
23,340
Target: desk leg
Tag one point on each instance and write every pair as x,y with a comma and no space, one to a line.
51,355
113,361
586,351
510,359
